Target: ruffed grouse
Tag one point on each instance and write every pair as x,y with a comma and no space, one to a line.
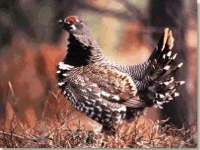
112,93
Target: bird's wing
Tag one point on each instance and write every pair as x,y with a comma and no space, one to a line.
106,85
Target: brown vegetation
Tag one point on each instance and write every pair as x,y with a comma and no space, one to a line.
55,134
63,127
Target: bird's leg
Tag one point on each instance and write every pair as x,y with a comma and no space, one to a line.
108,129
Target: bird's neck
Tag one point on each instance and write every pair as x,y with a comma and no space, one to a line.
80,54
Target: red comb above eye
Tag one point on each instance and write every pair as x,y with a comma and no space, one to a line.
70,19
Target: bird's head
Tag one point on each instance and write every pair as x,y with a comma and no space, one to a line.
79,29
73,24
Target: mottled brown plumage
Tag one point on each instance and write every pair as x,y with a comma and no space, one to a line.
112,93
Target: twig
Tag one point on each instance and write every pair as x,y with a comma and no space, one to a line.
69,144
11,134
17,136
11,88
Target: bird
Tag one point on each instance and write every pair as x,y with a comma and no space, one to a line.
112,93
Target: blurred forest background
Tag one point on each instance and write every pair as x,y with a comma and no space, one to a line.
32,43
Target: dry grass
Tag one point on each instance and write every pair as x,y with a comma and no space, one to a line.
54,131
51,134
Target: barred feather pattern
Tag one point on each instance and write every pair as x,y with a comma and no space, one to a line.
136,72
113,93
154,78
104,99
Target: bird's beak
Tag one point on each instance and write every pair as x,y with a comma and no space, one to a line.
61,21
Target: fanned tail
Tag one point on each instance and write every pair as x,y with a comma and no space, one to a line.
160,74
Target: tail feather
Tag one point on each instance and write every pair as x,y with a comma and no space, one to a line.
162,85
